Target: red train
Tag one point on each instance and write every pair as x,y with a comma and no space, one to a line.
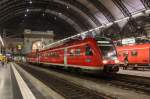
90,54
135,55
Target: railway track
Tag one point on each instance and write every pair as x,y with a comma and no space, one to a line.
135,83
65,88
140,84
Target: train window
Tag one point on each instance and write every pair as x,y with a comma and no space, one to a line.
72,52
88,50
78,51
56,54
50,54
134,53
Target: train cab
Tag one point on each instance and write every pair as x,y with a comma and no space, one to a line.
109,54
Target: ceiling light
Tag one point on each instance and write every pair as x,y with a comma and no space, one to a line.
67,7
1,40
25,15
120,20
147,11
43,14
109,24
59,13
137,15
30,2
27,10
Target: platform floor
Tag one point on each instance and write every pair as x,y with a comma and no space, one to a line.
10,83
145,73
5,82
14,85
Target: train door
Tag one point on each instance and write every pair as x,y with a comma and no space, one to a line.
76,55
134,56
141,56
149,57
65,56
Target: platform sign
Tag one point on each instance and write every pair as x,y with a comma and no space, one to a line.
19,47
128,41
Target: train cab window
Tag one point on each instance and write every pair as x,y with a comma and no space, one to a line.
134,53
88,50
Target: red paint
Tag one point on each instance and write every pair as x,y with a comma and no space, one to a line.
137,54
76,54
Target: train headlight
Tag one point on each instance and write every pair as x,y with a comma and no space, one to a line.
116,61
105,61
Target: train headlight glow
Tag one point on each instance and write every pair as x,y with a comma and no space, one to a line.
105,61
116,61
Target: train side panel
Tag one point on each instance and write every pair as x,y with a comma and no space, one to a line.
52,56
85,54
137,54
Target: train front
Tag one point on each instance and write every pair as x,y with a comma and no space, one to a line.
109,55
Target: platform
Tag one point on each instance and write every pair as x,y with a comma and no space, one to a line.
14,84
142,73
5,83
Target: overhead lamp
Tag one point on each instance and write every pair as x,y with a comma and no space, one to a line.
27,10
137,15
43,14
25,15
2,42
67,7
147,11
109,24
120,20
59,13
91,30
30,2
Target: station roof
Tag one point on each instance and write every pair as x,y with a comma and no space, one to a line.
65,17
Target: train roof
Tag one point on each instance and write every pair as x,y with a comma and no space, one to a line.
126,47
68,43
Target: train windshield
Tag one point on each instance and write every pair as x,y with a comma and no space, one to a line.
108,49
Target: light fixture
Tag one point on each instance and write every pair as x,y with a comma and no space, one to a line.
25,15
147,11
138,14
27,10
59,13
2,42
109,24
43,14
120,20
67,7
30,2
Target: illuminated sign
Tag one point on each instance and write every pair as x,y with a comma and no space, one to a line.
107,42
19,47
128,41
